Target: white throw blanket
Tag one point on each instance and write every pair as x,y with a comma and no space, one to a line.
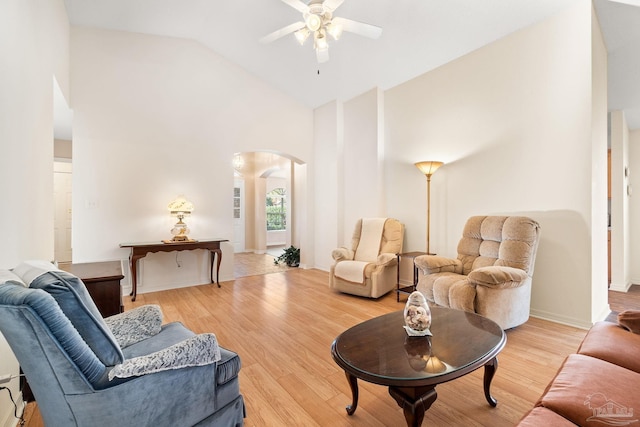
351,271
31,270
366,252
370,236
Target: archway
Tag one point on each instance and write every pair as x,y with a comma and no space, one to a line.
260,228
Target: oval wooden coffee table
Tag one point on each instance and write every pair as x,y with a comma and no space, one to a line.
379,351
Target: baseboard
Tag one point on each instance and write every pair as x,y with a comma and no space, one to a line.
619,287
563,320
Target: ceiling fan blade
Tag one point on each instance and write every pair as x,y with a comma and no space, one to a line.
360,28
297,5
332,4
629,2
291,28
322,55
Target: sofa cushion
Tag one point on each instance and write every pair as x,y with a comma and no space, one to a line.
227,368
585,389
76,303
610,342
540,416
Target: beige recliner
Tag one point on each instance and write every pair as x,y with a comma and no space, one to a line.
369,267
492,273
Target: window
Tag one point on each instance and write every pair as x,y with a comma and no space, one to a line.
236,202
277,209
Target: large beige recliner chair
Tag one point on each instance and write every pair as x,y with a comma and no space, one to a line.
368,269
492,274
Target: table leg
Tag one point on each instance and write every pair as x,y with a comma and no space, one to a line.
215,252
489,372
398,278
414,402
353,383
133,264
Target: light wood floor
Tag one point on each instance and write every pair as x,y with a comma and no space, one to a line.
282,326
250,264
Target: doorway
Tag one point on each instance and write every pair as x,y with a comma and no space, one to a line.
263,210
62,176
238,216
62,211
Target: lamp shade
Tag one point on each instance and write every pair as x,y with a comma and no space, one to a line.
180,205
428,168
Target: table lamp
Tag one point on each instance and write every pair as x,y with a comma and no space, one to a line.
180,208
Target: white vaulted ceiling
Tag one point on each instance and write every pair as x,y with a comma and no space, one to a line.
418,35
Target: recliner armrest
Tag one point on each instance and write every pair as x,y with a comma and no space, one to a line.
430,264
386,259
199,350
495,276
630,320
341,254
135,325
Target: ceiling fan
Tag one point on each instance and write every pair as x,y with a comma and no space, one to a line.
318,21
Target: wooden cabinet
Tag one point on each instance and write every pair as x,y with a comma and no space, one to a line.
102,280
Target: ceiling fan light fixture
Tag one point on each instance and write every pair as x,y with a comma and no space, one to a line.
302,35
313,21
320,41
318,20
335,30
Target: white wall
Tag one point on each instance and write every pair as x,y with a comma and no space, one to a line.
328,183
363,161
155,117
33,50
620,237
599,141
634,206
349,154
513,123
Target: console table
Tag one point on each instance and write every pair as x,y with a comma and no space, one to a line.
140,250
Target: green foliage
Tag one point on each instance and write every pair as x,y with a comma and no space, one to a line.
290,256
276,210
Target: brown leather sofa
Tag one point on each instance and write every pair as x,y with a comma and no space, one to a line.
598,386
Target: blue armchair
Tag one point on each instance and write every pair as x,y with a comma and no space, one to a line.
126,370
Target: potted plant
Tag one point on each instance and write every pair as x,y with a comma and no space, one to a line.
290,256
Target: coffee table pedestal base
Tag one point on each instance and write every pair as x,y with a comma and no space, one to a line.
414,402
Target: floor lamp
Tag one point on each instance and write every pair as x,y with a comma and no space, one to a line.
428,169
